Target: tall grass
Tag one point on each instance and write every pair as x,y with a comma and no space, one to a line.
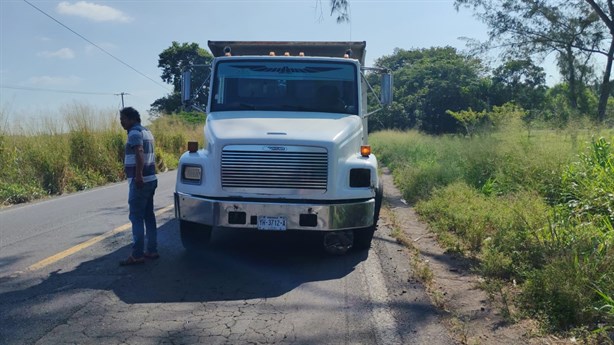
537,210
82,150
172,134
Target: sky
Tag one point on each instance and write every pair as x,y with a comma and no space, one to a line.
51,56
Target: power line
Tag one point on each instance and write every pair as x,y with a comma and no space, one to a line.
55,90
95,45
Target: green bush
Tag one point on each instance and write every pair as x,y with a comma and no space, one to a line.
496,229
570,289
165,161
554,294
455,209
588,184
528,206
192,118
15,193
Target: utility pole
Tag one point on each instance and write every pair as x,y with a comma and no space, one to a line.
122,94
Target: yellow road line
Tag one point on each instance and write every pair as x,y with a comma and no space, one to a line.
70,251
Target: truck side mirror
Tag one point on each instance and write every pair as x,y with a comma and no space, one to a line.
386,92
185,86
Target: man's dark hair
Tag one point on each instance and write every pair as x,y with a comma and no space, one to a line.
131,114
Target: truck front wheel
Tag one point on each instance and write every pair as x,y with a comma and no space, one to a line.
194,236
363,237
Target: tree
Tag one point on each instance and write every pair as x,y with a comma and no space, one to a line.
428,83
572,29
518,81
559,111
167,105
173,60
469,119
608,20
339,8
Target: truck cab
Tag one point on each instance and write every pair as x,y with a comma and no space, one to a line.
286,146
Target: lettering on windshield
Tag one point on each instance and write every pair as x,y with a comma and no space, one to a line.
286,69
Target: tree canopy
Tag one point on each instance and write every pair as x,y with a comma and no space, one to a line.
519,81
428,83
574,30
173,60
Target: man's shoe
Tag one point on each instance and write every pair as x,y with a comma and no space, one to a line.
132,261
152,256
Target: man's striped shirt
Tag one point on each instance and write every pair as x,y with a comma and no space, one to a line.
139,135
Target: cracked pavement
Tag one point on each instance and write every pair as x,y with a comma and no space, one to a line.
246,288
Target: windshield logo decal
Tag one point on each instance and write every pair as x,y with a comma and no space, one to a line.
286,69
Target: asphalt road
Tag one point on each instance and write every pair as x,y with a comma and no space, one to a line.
60,283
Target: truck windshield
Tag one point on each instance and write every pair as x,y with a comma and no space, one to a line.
285,85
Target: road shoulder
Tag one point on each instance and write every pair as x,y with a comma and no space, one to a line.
470,315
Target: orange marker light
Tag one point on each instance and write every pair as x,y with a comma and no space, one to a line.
192,146
287,54
365,150
301,54
272,54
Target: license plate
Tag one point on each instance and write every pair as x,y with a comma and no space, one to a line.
272,223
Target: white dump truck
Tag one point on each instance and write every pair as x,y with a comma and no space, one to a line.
285,145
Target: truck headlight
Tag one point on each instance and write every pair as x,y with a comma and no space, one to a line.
360,177
191,173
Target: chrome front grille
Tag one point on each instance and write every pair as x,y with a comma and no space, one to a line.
284,169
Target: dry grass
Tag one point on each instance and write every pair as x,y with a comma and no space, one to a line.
83,149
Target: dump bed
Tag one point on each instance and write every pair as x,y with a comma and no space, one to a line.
294,48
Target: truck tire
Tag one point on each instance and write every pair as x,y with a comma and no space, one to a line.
194,236
338,242
363,237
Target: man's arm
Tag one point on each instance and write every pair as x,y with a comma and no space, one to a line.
140,163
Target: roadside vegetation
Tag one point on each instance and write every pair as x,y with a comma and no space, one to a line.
82,150
511,172
534,208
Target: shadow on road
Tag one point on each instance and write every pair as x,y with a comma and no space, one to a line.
237,265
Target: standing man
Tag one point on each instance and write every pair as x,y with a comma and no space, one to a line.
140,167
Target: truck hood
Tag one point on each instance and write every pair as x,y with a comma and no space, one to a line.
267,127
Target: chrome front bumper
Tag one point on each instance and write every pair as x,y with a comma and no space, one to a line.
243,214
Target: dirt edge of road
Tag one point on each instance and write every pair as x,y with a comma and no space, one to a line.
472,316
